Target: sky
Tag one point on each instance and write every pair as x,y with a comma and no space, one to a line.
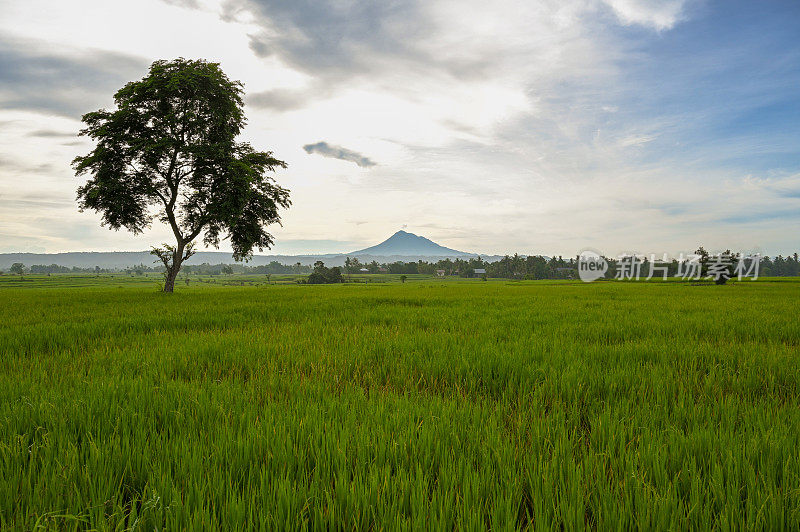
493,127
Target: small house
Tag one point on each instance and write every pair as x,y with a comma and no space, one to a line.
439,273
479,271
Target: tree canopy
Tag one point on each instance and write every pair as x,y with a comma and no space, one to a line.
323,275
169,151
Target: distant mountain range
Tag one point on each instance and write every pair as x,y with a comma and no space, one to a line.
401,246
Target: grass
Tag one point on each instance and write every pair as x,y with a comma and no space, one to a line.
429,404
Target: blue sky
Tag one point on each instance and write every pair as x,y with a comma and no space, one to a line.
515,126
735,66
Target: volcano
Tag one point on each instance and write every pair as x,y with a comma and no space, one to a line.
409,244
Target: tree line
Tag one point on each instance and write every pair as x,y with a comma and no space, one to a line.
509,267
141,269
534,267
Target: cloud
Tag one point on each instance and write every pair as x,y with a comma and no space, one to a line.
337,152
52,134
66,83
16,166
281,99
444,60
657,14
460,38
789,193
636,140
753,217
786,187
325,35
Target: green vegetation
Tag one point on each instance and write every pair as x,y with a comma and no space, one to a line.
456,404
532,267
537,267
323,275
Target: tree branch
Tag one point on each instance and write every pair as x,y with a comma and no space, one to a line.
196,231
189,251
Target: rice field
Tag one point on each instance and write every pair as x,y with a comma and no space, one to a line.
386,406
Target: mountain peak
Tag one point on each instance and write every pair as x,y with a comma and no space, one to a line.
408,244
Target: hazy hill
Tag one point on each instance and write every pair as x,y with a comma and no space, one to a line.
401,246
125,259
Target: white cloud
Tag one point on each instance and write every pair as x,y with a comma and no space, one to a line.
657,14
636,140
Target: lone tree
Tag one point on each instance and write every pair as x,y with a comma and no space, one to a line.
169,151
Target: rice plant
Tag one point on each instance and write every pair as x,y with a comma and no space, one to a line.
428,404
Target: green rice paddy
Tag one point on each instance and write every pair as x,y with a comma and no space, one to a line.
426,405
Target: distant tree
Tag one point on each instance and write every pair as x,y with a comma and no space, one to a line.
721,267
335,275
323,275
169,151
351,265
403,278
703,257
17,268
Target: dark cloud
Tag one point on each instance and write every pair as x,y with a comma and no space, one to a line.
338,40
337,152
16,166
36,79
259,46
322,35
341,43
51,134
280,99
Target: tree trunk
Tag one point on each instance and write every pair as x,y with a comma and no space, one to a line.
174,266
172,273
169,279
